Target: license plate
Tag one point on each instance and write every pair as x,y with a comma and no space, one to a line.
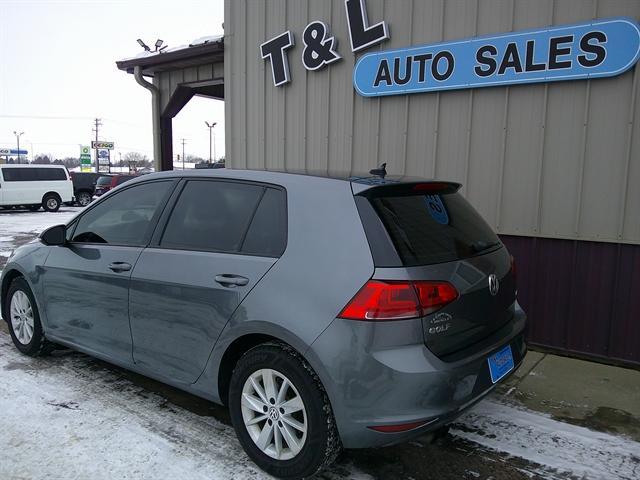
500,363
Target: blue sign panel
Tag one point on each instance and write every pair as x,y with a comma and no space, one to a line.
601,48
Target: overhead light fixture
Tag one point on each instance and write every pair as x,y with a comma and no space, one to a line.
159,43
144,45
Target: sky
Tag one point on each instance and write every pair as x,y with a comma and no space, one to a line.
58,73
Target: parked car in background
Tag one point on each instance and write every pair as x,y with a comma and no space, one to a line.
107,182
325,312
35,186
84,186
209,165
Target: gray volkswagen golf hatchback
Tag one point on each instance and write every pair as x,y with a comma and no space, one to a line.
325,312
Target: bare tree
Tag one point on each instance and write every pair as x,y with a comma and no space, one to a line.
135,159
43,159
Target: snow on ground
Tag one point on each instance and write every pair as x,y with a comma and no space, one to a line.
569,449
18,226
66,416
15,222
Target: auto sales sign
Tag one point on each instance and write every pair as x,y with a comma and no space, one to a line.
601,48
593,49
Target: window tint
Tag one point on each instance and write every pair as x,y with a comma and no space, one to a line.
428,229
267,235
124,218
211,215
33,174
104,181
123,178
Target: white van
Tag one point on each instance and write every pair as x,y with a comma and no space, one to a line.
35,186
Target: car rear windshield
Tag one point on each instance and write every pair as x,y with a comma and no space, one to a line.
104,181
425,229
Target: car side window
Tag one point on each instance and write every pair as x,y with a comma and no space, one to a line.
267,234
125,218
211,216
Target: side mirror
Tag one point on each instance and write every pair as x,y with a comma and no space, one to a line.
56,235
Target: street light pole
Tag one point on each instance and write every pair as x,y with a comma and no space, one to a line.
211,125
183,142
18,135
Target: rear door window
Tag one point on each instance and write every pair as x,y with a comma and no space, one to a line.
228,217
432,228
267,235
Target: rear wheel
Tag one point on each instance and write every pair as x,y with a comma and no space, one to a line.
24,320
51,202
83,198
281,413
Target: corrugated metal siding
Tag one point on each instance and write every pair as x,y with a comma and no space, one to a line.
558,160
168,81
580,297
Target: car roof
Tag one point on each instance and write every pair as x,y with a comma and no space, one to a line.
30,165
359,182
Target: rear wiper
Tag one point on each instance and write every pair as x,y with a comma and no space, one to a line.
481,246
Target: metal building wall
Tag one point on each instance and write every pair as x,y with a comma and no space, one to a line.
558,160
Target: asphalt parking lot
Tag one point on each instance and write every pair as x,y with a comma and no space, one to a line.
70,416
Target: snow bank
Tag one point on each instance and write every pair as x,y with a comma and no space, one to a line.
577,451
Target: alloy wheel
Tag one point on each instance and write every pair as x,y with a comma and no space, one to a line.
22,318
274,414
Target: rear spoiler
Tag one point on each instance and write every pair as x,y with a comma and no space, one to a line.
389,187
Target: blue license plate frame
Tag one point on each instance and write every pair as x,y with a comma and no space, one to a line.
501,363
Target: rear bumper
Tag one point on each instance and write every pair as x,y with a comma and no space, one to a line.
379,374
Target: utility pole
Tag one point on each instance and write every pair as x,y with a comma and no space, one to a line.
211,125
18,135
98,124
183,142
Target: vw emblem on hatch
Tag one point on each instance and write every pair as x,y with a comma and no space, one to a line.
494,285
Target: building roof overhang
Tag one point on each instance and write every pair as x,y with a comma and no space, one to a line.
182,57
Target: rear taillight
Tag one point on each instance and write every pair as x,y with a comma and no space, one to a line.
513,268
398,300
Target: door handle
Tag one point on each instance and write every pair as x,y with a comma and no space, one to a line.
120,266
230,280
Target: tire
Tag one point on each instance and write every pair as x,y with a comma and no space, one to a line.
51,202
83,198
34,208
23,319
316,433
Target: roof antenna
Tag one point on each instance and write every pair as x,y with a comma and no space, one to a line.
379,172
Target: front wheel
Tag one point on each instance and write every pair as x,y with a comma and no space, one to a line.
51,202
24,320
281,413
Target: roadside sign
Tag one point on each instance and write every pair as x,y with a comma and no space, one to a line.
12,151
107,145
85,158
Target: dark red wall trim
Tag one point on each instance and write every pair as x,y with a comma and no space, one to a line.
581,297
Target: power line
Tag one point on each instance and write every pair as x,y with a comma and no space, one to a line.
63,117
